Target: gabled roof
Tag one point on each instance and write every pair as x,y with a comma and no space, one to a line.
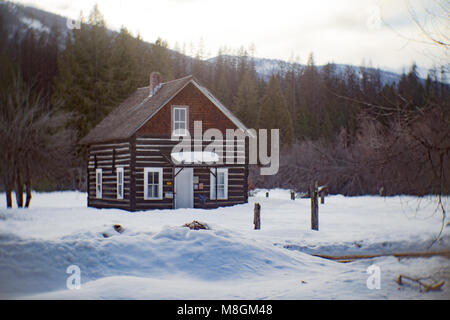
136,110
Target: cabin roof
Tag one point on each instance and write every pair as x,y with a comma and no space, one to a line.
137,109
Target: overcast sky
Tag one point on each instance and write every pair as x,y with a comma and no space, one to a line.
345,31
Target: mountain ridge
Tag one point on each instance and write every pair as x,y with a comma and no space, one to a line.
20,18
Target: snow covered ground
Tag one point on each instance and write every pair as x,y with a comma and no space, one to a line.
156,258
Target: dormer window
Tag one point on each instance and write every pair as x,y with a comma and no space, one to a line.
179,121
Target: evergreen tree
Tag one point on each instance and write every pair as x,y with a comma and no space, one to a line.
198,65
124,65
243,64
161,59
310,103
274,112
84,86
329,116
223,90
246,104
410,88
290,85
6,63
179,61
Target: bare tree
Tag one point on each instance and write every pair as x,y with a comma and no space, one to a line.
433,21
33,140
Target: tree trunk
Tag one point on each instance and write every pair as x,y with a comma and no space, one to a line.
8,198
19,190
28,188
314,207
28,195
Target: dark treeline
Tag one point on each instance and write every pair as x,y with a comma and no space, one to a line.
346,130
358,136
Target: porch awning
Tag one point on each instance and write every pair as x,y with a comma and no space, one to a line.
194,157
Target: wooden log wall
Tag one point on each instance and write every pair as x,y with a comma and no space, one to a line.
236,189
143,152
149,150
108,157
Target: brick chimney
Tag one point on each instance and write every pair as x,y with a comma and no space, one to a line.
155,81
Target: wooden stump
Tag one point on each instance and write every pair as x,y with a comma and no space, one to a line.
257,216
313,190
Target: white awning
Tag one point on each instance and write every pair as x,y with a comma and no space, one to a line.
194,157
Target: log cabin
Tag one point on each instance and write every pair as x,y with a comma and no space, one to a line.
131,163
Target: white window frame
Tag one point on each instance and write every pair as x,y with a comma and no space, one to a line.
177,132
120,186
212,184
98,191
160,183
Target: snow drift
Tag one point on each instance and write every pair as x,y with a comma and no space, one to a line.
155,257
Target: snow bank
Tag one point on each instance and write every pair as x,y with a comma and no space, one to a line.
155,258
32,266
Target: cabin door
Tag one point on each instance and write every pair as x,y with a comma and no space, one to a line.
184,188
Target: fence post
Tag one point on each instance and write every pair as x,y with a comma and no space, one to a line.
314,206
322,194
257,216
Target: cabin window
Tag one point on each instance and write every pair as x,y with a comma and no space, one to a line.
119,172
222,184
153,178
98,183
180,120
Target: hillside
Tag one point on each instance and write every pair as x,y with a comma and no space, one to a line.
18,19
266,67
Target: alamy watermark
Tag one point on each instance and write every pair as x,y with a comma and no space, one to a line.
373,21
374,279
73,24
74,280
225,148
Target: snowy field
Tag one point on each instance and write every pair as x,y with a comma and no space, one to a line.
155,258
